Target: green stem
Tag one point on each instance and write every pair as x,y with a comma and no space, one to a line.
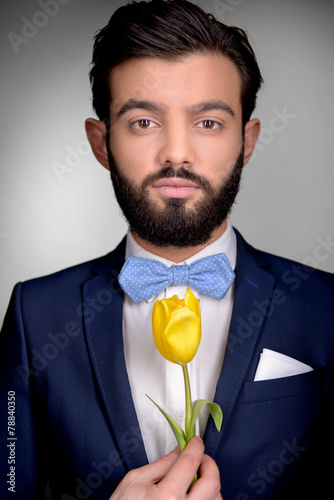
188,402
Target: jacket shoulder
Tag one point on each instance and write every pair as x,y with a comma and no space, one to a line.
62,289
286,271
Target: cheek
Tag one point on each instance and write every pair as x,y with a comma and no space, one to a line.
219,160
132,161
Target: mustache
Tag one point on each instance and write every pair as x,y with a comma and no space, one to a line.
165,173
181,173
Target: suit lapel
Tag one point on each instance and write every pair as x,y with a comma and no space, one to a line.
103,311
253,290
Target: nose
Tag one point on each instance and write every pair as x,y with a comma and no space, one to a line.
177,148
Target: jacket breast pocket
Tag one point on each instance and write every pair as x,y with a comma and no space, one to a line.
297,385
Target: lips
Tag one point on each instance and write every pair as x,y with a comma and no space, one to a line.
175,187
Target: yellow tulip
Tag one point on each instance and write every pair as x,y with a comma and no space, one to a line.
177,327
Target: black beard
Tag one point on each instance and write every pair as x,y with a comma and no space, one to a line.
175,224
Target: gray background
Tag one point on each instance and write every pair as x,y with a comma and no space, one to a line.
49,221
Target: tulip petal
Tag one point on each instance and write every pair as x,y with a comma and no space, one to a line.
192,303
160,318
176,327
182,335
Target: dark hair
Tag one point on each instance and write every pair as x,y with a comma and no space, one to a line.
169,29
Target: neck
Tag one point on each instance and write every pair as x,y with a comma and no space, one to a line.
176,254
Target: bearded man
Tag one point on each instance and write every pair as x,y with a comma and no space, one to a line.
174,91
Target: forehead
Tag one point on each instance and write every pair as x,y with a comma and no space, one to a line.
180,83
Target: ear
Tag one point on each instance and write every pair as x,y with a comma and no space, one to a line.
252,132
97,135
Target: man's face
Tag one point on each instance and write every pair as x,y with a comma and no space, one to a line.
176,145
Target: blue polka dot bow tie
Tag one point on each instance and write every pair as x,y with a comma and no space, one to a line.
141,278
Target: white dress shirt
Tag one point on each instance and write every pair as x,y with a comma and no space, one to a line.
149,373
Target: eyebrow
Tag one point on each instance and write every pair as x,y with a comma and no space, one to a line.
215,104
212,105
135,104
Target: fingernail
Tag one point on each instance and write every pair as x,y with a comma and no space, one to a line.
199,439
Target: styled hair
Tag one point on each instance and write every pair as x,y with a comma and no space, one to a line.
169,29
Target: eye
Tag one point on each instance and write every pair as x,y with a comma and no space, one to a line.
209,125
143,124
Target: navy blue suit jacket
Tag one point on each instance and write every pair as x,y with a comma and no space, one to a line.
75,424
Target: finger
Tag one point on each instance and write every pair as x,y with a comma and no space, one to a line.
154,472
180,475
208,485
139,482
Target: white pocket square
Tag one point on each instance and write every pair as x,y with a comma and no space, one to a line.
276,365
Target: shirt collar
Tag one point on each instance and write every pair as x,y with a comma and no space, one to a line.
226,243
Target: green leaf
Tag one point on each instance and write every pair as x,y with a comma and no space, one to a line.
213,408
178,431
